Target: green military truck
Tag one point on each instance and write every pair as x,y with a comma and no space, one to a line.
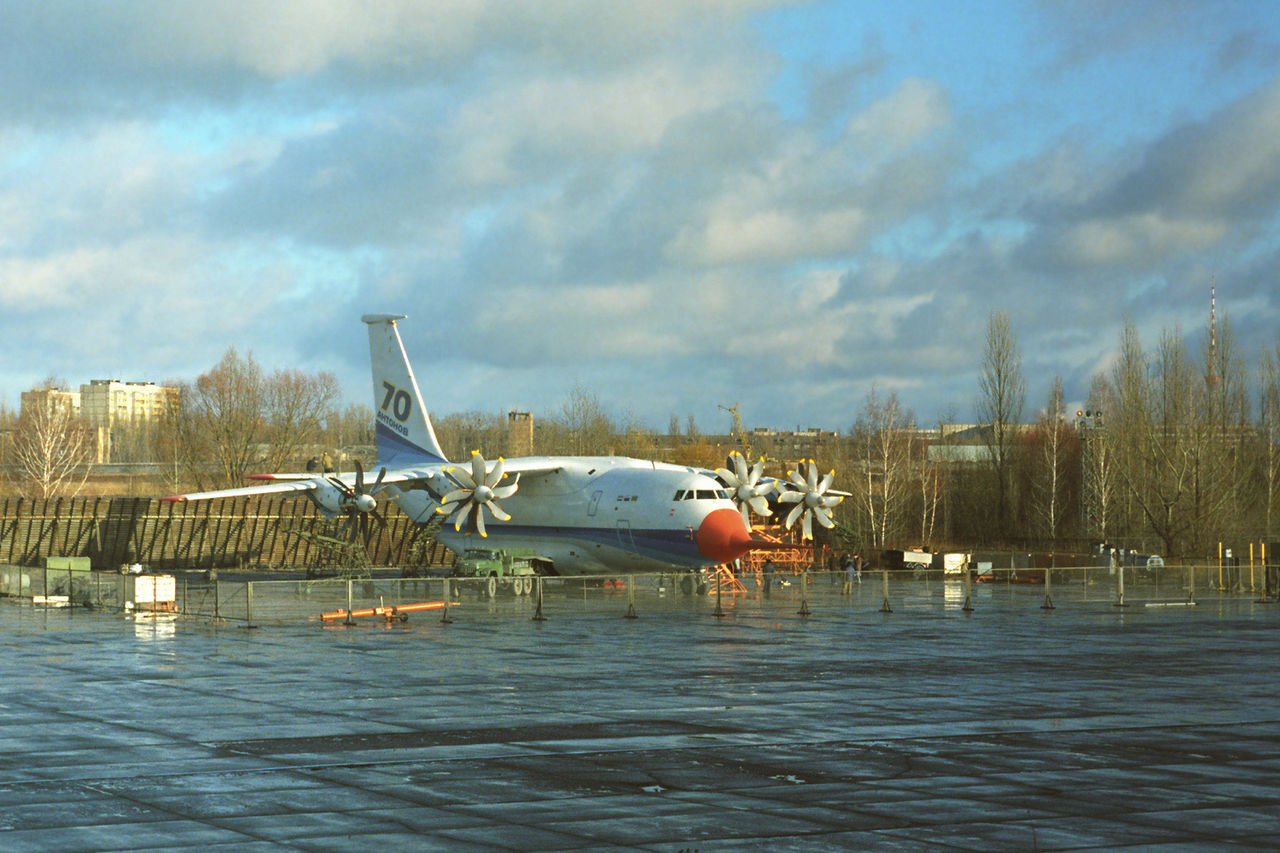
511,569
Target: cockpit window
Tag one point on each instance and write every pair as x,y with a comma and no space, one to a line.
701,495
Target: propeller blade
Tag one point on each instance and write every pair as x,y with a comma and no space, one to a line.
505,491
498,512
806,531
495,476
378,482
480,522
477,467
824,518
456,495
359,478
460,477
793,515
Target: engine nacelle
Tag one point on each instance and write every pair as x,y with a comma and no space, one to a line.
329,499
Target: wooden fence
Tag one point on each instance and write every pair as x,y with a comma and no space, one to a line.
257,531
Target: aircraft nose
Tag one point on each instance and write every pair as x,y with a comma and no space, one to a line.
723,535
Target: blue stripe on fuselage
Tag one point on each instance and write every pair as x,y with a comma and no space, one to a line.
662,545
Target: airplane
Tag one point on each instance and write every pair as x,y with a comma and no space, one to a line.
582,514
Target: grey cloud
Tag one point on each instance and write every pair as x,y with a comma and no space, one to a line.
1225,166
1200,185
64,58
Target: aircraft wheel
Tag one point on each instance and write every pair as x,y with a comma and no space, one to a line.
686,585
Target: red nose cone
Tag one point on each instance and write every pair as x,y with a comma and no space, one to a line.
723,536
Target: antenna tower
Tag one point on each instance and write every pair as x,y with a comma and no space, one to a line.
1213,332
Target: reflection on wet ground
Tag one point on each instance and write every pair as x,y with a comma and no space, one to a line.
1004,727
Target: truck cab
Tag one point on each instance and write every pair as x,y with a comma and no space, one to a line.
510,568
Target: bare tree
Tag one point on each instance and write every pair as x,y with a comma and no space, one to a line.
1003,394
638,441
296,405
234,420
53,449
929,474
588,430
1099,475
1269,433
1050,480
1164,439
347,426
461,433
882,437
1223,426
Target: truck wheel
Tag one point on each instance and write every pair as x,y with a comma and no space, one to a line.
492,587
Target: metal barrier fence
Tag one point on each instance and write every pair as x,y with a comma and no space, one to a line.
342,602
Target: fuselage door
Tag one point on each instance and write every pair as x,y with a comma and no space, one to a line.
625,539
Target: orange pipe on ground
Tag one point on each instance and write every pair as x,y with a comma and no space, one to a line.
384,611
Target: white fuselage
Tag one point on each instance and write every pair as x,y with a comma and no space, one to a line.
596,515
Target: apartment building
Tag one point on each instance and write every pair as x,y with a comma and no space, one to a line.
114,410
112,403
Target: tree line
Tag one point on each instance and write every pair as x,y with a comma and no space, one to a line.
1175,450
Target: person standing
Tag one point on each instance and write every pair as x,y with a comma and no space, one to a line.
851,574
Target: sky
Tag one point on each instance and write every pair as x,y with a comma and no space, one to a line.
777,206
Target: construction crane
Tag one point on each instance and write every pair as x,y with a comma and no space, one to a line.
737,430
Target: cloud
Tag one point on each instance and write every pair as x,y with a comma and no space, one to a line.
680,204
1226,166
1201,185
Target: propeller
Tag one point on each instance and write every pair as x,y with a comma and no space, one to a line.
808,493
358,503
745,487
476,491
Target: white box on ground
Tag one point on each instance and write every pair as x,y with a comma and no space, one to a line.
155,592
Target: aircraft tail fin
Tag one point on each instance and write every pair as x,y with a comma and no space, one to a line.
402,424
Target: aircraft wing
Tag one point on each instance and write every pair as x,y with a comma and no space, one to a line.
272,488
310,483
